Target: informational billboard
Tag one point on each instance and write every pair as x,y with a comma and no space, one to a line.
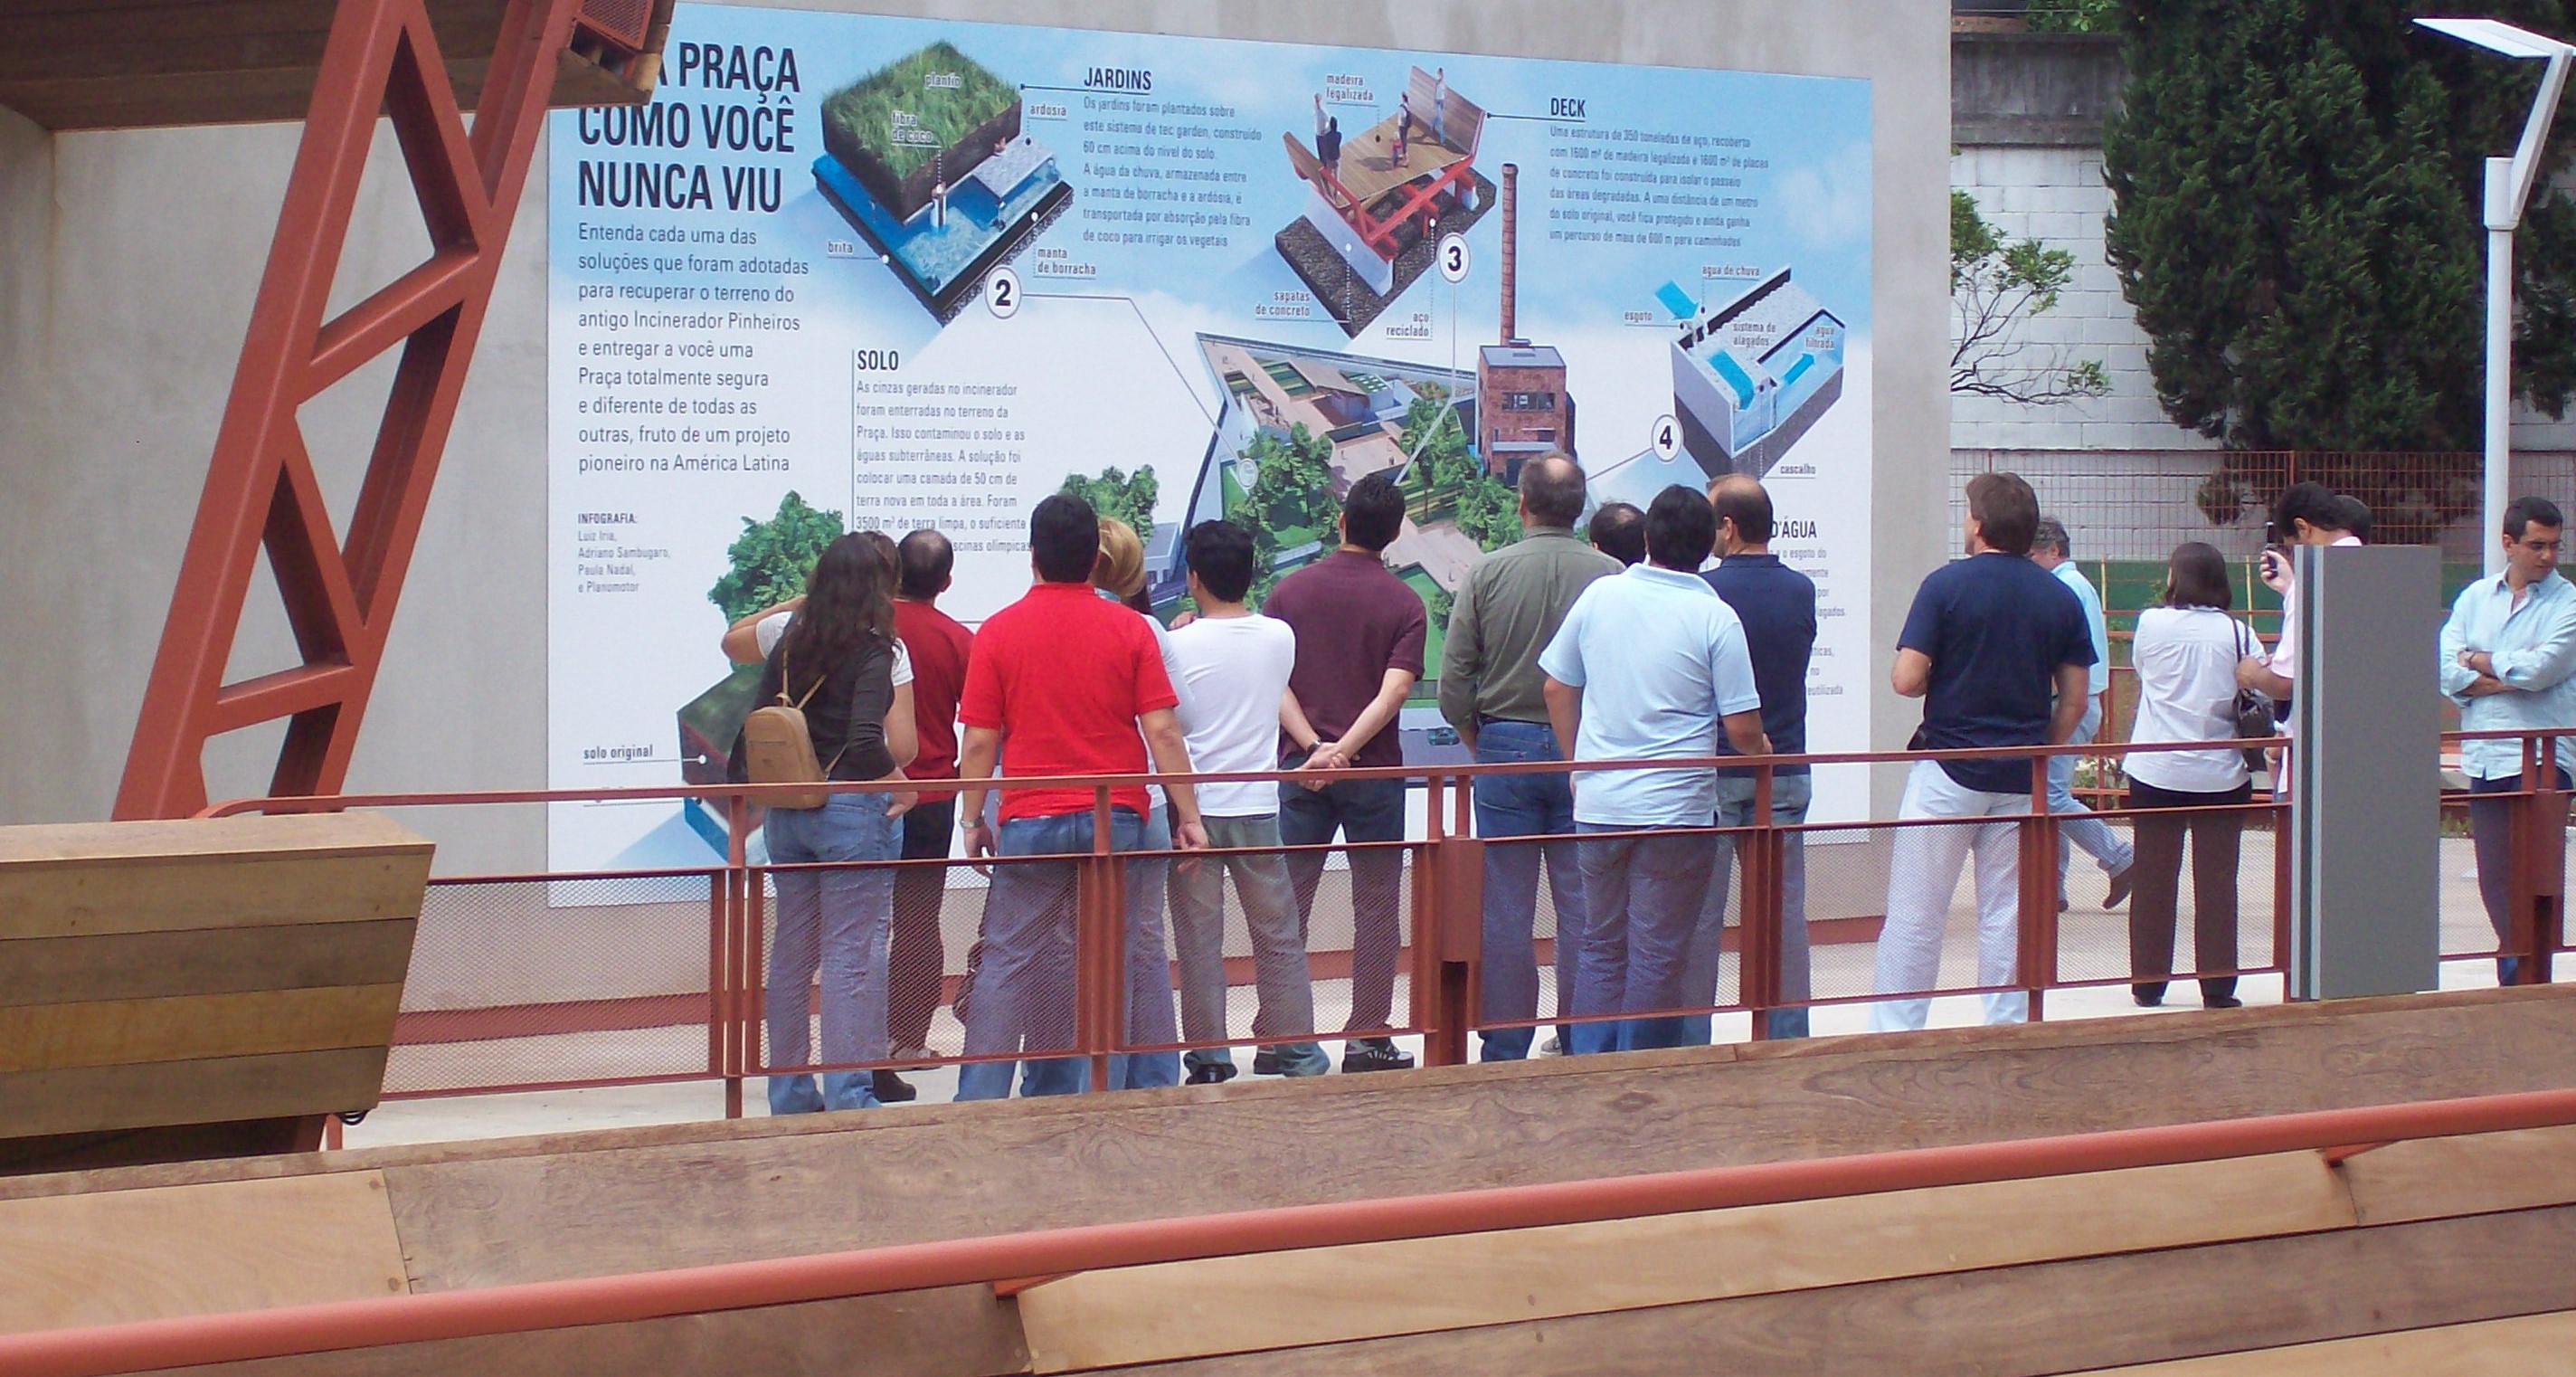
850,272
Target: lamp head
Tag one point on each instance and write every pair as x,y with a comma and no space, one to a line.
2496,36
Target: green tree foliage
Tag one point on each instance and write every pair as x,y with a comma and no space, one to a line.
772,558
1996,286
2074,16
1447,479
2296,220
1292,495
1129,498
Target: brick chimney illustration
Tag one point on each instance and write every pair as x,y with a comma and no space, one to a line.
1511,251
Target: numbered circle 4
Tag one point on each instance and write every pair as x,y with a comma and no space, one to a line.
1453,256
1667,437
1002,293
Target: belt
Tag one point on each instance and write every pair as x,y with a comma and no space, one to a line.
1485,721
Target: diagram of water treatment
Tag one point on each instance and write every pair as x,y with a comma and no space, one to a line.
847,272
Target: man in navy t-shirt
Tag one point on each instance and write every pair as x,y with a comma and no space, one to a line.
1777,605
1998,651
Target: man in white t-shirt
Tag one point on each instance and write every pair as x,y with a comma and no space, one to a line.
1232,665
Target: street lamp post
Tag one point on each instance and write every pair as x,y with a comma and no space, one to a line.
2507,192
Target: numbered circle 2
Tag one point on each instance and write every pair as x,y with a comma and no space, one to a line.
1002,293
1667,438
1453,256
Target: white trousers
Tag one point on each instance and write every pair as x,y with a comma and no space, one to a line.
1922,871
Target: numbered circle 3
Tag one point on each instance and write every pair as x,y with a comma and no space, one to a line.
1002,293
1453,256
1667,437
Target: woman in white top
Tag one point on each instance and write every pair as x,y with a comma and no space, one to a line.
2185,653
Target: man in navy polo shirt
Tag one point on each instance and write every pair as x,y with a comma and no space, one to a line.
1777,605
1998,651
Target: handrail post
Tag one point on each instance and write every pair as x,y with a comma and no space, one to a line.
2035,962
2537,871
1100,948
1448,929
739,937
1765,909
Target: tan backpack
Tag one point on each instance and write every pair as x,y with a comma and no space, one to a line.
778,748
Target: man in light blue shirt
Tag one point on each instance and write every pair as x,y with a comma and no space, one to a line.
2509,661
1650,665
2052,551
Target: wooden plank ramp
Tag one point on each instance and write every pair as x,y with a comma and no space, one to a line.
2043,1277
198,986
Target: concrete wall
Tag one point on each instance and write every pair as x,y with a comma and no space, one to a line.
128,262
2027,114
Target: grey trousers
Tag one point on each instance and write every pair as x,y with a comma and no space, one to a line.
1278,953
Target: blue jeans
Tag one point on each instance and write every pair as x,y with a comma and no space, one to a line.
834,919
1642,897
2081,829
1024,986
1370,810
1790,795
1524,806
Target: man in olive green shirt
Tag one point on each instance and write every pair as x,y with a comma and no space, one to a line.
1508,608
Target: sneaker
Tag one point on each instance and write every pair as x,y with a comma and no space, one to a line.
894,1089
1213,1073
1373,1054
2121,884
1553,1047
1266,1063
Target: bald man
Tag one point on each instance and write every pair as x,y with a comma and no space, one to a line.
1508,608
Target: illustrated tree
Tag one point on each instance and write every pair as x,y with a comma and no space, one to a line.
2296,222
1997,286
1291,491
1445,473
1127,497
771,559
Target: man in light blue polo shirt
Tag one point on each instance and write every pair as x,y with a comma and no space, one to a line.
1650,665
2051,550
2509,662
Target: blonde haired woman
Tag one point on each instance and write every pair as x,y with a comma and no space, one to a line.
1119,575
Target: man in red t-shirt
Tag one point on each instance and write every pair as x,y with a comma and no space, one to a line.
1057,685
939,645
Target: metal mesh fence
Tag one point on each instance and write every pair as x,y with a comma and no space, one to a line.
546,982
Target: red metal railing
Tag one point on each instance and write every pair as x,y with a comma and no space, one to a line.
462,1040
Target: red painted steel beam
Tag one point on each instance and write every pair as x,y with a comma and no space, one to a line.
532,1306
260,490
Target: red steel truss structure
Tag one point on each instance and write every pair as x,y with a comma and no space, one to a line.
340,590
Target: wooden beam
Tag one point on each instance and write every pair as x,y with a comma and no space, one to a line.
2517,1347
2436,1177
2032,1321
1324,1295
122,1256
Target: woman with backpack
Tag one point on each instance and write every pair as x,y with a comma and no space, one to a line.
839,667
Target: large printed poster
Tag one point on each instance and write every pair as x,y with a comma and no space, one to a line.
851,272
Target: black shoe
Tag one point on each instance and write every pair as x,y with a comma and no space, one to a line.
1212,1073
2121,884
1266,1063
894,1089
2149,994
1373,1054
2219,994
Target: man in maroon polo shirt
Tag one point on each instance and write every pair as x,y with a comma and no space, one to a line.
1058,684
1360,633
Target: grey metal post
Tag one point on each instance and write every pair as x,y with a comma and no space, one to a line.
2365,809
